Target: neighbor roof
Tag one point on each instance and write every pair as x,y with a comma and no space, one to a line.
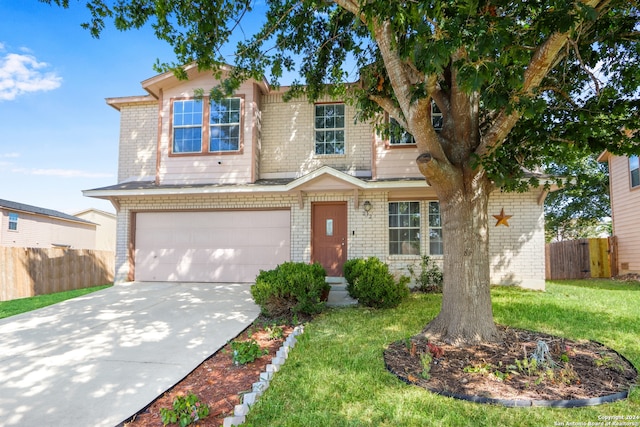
21,207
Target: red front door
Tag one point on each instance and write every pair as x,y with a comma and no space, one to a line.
329,236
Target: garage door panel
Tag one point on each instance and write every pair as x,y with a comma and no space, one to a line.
223,246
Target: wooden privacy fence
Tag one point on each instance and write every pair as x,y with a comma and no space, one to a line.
27,272
581,259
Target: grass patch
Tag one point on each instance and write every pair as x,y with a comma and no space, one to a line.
336,375
22,305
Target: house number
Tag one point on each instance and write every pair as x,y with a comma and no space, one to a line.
329,227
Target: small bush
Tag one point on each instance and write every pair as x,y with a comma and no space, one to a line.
246,351
290,288
186,410
352,269
373,285
429,279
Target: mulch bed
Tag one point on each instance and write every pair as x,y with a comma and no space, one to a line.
217,381
490,370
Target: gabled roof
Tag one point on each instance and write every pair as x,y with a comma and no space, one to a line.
21,207
169,79
96,211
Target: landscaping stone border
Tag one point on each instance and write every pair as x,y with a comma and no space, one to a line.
249,399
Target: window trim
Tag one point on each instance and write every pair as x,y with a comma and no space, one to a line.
13,220
430,227
344,130
419,227
635,169
174,127
206,129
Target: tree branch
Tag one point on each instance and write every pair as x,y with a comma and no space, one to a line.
391,108
394,65
543,60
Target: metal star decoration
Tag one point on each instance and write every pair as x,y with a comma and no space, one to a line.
502,218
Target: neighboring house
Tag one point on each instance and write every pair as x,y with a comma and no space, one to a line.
106,227
29,226
215,191
624,189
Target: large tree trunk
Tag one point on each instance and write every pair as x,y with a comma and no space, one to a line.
466,316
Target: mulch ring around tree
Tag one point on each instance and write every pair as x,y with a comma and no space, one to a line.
580,373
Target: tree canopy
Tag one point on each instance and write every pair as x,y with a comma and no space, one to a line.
519,85
581,207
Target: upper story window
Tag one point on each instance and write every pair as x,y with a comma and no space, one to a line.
329,129
634,171
404,228
224,123
399,136
13,221
187,126
222,134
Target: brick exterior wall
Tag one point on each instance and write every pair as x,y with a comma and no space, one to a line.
288,141
138,142
517,251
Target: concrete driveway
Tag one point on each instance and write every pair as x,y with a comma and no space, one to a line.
98,359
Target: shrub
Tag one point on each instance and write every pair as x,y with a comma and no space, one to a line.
352,269
246,351
186,410
373,285
290,288
429,279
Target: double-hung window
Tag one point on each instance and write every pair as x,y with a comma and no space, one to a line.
187,126
222,133
329,129
634,171
435,229
224,125
13,221
404,228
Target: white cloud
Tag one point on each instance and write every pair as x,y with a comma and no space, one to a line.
64,173
20,74
10,155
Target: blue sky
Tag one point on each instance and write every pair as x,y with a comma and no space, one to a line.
58,136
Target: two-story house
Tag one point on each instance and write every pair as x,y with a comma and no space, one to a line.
214,191
624,191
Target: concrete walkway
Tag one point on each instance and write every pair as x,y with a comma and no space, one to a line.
98,359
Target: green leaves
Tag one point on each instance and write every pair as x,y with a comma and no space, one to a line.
186,410
450,49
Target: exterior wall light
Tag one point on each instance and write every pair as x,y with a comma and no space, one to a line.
367,206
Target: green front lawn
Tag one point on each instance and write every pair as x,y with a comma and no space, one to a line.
22,305
336,376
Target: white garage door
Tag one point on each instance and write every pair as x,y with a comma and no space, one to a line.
222,246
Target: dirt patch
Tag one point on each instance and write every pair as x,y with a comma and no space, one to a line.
582,369
217,381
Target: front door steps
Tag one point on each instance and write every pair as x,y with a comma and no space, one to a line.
338,296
